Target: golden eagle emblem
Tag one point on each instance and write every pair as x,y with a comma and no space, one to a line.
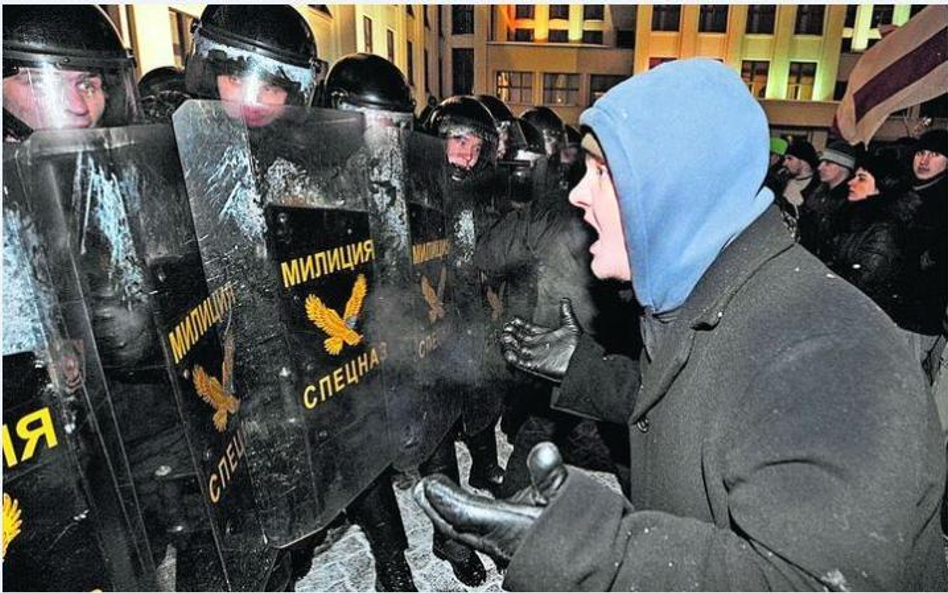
11,521
495,300
435,299
341,330
218,394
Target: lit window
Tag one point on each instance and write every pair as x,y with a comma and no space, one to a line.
800,85
561,89
754,74
515,87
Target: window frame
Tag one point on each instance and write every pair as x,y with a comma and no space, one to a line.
806,19
524,90
459,24
795,87
709,14
757,90
571,92
661,15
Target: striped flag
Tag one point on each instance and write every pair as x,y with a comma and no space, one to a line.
905,68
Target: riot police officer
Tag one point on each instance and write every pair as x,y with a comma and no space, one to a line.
571,157
553,131
64,68
550,125
162,91
376,88
255,59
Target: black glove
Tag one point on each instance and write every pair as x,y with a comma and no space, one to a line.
542,351
495,527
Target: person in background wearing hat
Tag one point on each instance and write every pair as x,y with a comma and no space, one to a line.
796,181
820,207
781,435
928,252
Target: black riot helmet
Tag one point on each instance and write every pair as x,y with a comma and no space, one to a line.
258,54
550,125
456,120
527,167
64,67
162,91
370,84
510,136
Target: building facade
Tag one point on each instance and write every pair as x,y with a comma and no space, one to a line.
795,59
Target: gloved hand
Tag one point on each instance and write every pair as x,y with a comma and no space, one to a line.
542,351
495,527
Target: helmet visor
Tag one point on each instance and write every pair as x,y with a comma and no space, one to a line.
382,118
253,87
45,95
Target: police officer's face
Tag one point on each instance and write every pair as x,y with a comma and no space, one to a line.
252,100
596,196
928,164
464,150
55,99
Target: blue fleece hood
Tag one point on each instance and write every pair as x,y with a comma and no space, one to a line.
687,148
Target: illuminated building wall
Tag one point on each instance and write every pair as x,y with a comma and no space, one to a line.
339,29
795,58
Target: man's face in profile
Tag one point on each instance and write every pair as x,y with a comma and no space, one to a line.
256,102
48,99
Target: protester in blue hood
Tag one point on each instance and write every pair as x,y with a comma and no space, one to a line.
781,435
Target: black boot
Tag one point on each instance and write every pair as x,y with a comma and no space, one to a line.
486,474
376,512
465,563
393,574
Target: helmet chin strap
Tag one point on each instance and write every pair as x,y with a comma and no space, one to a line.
14,128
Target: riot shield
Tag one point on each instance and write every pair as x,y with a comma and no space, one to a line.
113,206
408,226
469,208
280,215
70,517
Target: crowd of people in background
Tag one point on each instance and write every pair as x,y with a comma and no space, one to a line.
879,219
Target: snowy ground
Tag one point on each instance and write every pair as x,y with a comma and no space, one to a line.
347,565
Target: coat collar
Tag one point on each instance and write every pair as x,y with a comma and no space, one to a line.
763,240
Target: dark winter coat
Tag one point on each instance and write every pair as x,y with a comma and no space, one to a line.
928,257
869,251
544,252
818,217
782,438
